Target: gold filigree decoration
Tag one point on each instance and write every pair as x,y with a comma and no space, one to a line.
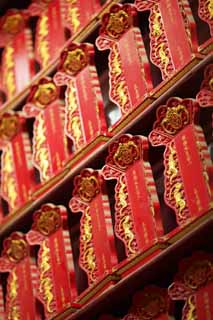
46,285
118,23
13,313
43,48
88,260
17,250
75,61
13,23
211,84
191,309
88,188
175,119
48,222
76,131
126,154
125,224
157,31
8,184
161,49
8,73
41,156
73,15
172,170
210,8
176,193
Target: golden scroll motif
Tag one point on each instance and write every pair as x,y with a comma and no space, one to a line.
124,226
87,258
73,15
13,312
43,42
8,74
175,119
40,149
118,23
9,187
46,285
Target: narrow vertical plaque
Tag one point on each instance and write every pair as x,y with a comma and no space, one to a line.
21,282
129,70
49,153
17,59
56,288
17,173
85,118
168,18
189,194
194,285
50,34
97,251
137,210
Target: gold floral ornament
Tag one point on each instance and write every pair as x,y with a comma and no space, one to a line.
9,126
198,274
175,119
15,247
47,220
13,22
73,59
117,21
87,185
44,93
126,154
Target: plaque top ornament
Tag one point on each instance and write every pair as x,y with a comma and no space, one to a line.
43,93
117,21
47,220
9,127
15,247
75,57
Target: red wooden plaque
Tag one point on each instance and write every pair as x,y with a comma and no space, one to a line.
17,173
137,211
129,70
194,284
85,118
49,153
17,59
77,13
56,288
97,251
189,194
50,36
205,95
22,279
168,18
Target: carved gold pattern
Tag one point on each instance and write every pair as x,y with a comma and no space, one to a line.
174,186
8,184
17,250
88,188
191,309
46,286
73,15
124,224
13,312
126,154
75,61
8,74
210,8
48,222
118,23
40,154
43,47
175,119
159,45
87,255
118,87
